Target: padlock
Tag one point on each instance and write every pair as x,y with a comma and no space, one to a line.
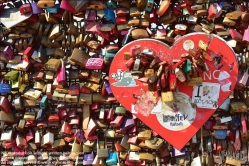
128,123
40,115
95,63
163,7
172,81
74,90
66,128
74,121
238,107
54,9
47,139
220,134
21,142
62,113
53,116
76,149
24,9
117,121
5,105
21,125
144,135
167,96
112,159
109,133
88,159
29,116
180,75
8,53
44,102
53,65
30,136
102,150
92,126
58,96
154,143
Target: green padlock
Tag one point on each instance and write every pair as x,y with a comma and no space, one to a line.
120,110
12,75
187,66
109,56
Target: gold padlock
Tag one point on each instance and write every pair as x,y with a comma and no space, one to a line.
167,96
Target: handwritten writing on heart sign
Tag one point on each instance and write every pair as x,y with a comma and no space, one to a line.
181,112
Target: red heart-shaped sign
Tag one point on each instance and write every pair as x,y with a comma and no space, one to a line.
177,119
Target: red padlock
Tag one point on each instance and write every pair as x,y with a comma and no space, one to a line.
62,113
5,105
172,81
212,11
135,50
110,115
28,53
120,20
8,145
24,9
66,128
72,113
118,121
30,136
74,90
33,18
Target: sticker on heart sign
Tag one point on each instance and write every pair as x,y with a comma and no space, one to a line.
174,90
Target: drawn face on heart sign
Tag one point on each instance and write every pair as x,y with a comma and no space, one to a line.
175,114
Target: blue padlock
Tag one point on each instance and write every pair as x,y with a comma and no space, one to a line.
108,88
54,9
112,159
5,88
225,5
109,56
40,115
110,15
112,4
236,123
44,102
149,5
220,134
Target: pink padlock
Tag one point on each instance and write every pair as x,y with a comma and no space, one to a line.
132,139
66,6
235,35
91,15
95,63
8,53
61,74
244,78
135,50
161,32
246,35
95,106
